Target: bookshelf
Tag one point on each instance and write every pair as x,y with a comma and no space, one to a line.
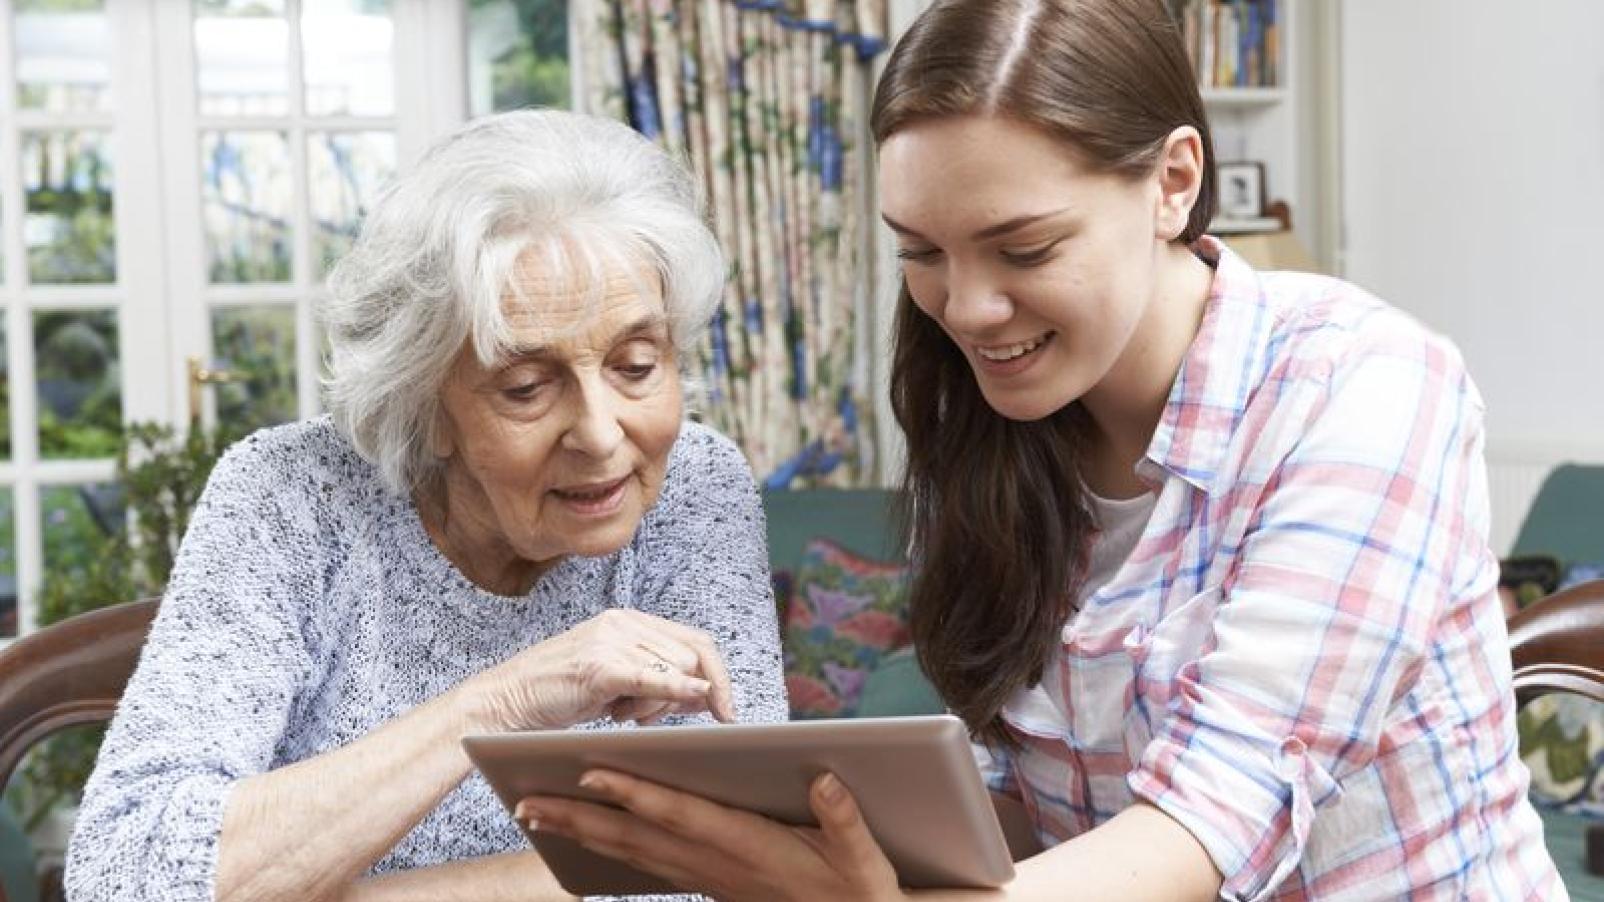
1242,54
1255,225
1243,97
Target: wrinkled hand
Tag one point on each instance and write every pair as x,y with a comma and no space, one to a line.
627,664
727,853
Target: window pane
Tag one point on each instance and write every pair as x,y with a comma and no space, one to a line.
63,54
517,54
246,197
346,46
346,170
68,230
242,57
5,396
76,520
259,344
80,393
8,566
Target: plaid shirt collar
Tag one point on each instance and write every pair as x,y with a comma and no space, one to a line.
1226,361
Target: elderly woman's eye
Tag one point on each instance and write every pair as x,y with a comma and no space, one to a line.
636,372
522,392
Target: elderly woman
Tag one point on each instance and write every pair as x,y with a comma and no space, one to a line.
505,524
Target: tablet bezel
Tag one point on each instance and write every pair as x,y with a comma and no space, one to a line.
915,779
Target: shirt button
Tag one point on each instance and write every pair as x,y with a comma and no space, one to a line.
1289,759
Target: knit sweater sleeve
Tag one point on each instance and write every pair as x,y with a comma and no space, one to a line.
213,692
707,565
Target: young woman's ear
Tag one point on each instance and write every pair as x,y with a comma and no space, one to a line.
1180,177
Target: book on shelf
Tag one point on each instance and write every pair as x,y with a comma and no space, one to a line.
1232,43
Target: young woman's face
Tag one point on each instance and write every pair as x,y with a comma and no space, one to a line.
1039,269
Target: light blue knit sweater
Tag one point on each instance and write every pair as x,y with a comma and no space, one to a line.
308,606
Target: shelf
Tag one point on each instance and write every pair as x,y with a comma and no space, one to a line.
1255,226
1243,97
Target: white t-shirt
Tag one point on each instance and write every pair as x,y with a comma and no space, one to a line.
1120,523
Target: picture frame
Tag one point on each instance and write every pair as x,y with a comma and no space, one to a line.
1241,189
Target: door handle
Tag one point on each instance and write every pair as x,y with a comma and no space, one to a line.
200,376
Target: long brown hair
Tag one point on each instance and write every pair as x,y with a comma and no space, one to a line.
996,512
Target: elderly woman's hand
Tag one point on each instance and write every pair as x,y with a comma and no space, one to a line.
623,663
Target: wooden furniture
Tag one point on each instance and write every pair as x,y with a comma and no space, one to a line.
1557,644
67,674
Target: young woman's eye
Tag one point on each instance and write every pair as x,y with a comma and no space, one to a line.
1030,257
915,255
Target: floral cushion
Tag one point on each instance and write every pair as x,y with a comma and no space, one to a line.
1562,743
843,615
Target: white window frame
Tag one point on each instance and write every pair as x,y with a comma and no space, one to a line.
430,101
136,296
161,295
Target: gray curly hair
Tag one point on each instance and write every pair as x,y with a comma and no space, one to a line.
439,248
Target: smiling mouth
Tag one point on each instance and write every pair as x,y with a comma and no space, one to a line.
1005,353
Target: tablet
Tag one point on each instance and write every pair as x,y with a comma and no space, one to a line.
915,780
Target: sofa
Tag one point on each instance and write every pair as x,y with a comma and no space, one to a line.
840,581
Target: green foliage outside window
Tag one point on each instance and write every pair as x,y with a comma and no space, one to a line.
60,6
84,246
80,387
8,564
534,72
250,8
74,440
259,344
269,261
5,405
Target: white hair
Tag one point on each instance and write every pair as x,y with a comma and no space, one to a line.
439,248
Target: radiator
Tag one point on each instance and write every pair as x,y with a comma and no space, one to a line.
1512,484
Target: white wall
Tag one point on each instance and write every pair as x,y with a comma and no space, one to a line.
1473,196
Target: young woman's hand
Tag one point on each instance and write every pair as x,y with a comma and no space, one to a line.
729,854
623,663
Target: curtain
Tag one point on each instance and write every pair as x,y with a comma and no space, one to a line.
767,104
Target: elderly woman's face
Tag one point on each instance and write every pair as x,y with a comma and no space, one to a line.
562,449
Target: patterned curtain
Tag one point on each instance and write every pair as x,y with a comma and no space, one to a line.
767,102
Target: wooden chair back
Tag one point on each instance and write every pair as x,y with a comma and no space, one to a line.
67,674
1557,644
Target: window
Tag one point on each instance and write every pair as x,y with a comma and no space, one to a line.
517,55
176,177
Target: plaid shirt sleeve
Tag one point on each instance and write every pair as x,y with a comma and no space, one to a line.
1364,532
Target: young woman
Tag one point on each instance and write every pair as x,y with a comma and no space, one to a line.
1201,553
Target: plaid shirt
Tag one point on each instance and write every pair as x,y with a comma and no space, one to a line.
1304,660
